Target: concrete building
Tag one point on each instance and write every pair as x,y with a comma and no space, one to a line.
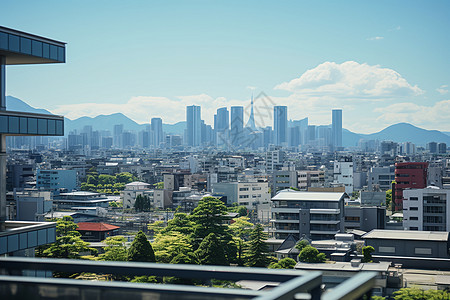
343,173
380,178
222,126
157,130
248,194
56,180
237,126
310,214
406,243
131,191
426,209
274,159
284,179
364,218
80,199
19,176
33,205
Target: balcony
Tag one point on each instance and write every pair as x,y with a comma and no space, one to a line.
289,284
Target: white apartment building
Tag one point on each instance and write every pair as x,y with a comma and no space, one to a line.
343,173
132,189
248,194
426,209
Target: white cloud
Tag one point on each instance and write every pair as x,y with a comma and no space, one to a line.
431,117
396,28
375,38
352,81
443,89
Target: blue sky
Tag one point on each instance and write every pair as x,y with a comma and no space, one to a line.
383,62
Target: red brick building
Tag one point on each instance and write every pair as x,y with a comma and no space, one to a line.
411,175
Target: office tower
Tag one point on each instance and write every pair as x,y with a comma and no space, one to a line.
193,125
411,175
336,128
156,127
432,147
280,124
251,120
222,126
237,125
442,148
311,134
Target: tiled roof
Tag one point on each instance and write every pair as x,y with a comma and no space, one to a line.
88,226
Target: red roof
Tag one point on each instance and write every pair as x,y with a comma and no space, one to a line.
87,226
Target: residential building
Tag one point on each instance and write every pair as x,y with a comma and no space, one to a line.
248,194
314,215
131,191
411,175
426,209
343,173
284,179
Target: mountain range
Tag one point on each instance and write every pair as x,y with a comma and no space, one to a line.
401,132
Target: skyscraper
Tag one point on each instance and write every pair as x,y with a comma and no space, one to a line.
193,125
280,124
222,125
156,126
336,128
237,125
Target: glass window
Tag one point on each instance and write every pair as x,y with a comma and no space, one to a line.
51,126
45,50
25,45
61,54
3,124
13,125
32,126
14,43
42,126
36,48
382,249
53,52
3,40
59,127
23,125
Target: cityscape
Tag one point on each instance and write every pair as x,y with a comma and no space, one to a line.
331,185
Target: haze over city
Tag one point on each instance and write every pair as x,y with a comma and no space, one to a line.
382,63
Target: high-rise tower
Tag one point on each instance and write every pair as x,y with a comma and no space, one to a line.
336,128
280,124
251,119
156,126
222,125
237,125
193,125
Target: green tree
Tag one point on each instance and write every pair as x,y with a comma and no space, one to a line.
301,244
416,294
211,252
310,254
115,249
90,179
125,177
367,254
389,199
68,242
141,249
142,203
240,209
180,223
169,245
256,253
159,185
241,227
106,179
284,263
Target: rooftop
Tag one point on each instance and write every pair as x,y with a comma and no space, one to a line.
407,235
87,226
307,196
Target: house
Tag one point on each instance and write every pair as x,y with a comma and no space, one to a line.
96,232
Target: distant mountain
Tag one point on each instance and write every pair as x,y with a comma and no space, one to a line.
401,132
405,132
15,104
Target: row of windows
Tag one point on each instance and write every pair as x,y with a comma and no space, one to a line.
24,45
30,125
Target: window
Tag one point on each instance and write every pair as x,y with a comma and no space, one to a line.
382,249
414,208
424,251
243,189
413,218
413,198
414,228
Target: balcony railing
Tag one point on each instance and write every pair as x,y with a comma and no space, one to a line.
294,284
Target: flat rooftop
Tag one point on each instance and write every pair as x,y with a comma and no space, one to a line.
440,236
24,48
291,195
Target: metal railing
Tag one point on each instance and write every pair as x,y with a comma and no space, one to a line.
292,284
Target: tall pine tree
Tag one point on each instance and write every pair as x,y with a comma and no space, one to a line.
140,249
256,254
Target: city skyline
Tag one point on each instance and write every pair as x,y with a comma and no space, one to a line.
144,58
